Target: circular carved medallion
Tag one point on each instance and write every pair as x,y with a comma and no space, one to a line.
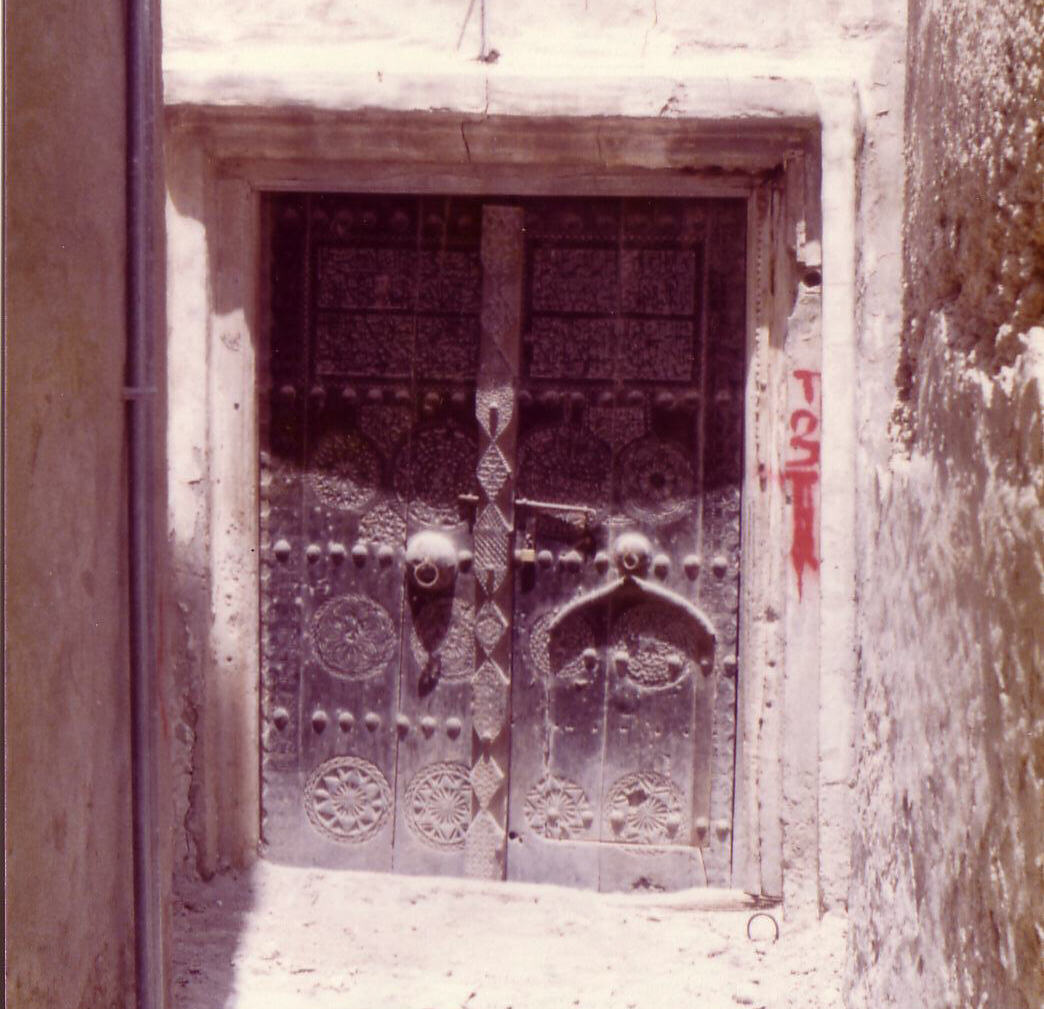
347,799
643,807
443,634
438,804
346,471
383,523
433,471
656,481
557,809
354,637
563,653
661,649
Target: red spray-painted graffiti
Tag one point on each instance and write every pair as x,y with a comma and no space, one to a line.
802,470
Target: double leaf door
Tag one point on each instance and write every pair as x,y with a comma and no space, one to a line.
501,482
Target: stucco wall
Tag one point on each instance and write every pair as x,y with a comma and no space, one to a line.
947,870
69,890
578,32
549,59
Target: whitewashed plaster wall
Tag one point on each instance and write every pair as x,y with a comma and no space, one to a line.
524,57
947,888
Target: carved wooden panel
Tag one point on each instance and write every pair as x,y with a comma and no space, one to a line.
370,439
500,536
627,535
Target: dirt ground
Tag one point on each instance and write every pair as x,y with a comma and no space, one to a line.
289,938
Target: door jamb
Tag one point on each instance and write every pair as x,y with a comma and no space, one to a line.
218,162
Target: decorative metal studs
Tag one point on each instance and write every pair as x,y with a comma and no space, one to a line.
572,561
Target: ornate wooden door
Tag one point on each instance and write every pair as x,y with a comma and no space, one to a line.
500,527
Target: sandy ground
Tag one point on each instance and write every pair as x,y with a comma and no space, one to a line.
289,938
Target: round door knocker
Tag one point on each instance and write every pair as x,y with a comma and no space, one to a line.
431,561
633,552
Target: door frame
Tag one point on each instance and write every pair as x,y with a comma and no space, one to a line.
218,161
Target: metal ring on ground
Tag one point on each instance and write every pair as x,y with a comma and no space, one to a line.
762,914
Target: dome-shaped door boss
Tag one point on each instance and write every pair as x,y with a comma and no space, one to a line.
633,552
431,561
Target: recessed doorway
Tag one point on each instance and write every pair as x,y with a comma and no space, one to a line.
502,461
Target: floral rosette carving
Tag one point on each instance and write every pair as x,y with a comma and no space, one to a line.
557,809
348,799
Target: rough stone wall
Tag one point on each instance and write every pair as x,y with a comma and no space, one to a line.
67,747
947,889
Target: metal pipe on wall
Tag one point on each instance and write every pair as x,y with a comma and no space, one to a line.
142,101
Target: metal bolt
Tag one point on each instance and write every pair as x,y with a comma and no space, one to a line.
280,718
319,720
572,561
372,721
281,549
346,720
